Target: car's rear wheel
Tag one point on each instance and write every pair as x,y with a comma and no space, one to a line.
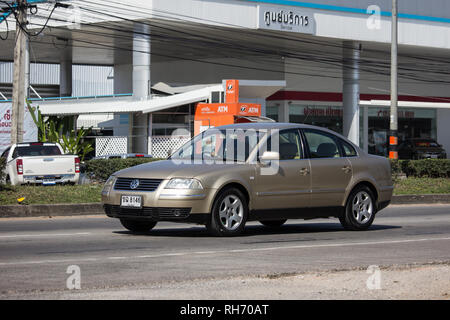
360,209
229,213
273,223
138,226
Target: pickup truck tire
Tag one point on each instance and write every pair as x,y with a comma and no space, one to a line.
138,226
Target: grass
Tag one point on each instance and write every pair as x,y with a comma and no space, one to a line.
422,186
92,193
51,194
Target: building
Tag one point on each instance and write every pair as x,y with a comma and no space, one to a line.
332,57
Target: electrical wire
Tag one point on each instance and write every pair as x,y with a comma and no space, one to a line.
199,42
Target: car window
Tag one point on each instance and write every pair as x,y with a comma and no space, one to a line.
348,149
321,144
289,146
36,150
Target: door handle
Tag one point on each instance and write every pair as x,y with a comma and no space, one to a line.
304,171
347,169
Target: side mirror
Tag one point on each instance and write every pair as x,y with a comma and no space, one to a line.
169,153
269,156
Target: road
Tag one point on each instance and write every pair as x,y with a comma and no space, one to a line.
35,253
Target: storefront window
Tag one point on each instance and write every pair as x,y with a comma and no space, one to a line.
166,122
323,116
412,123
272,112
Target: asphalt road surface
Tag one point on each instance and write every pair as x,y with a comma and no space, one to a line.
35,253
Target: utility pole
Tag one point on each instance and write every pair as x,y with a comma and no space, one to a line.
393,133
18,96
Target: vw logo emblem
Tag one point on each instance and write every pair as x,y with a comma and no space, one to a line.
134,184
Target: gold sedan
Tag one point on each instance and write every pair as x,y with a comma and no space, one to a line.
267,172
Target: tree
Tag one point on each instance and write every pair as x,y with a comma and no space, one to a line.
54,129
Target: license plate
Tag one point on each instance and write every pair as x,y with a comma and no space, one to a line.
131,201
434,156
48,182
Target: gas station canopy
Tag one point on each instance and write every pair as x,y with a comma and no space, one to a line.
255,90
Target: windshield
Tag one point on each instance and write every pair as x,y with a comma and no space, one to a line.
37,150
220,145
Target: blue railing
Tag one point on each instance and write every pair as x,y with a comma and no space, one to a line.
77,98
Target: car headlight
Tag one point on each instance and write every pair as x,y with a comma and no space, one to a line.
178,183
108,184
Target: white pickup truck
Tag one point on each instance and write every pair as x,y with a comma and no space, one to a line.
40,163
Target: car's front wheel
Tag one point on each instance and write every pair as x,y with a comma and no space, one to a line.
138,226
360,209
229,213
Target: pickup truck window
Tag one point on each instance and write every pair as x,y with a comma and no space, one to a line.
30,151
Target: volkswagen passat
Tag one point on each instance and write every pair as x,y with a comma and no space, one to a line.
267,172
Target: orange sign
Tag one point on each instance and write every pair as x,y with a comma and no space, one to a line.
209,115
232,91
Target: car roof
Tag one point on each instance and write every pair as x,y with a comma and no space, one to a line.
280,126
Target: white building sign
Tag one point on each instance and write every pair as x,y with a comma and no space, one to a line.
30,129
284,18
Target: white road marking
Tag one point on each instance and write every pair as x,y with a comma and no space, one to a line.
43,235
161,255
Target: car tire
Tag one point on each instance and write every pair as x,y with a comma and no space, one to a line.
229,214
273,223
137,226
360,210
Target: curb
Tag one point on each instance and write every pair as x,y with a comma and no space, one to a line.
79,209
46,210
421,199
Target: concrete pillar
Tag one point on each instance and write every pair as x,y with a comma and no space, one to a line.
130,142
141,62
123,84
65,77
141,85
366,128
350,90
283,111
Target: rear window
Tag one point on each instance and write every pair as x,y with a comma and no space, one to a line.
30,151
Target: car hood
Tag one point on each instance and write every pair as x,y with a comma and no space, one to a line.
167,169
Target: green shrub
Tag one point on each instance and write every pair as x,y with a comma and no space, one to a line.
396,168
430,168
101,169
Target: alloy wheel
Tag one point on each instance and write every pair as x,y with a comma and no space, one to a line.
362,207
231,212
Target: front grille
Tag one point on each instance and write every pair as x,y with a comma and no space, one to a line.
155,213
144,184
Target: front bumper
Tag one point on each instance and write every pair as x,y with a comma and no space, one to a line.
155,214
161,204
